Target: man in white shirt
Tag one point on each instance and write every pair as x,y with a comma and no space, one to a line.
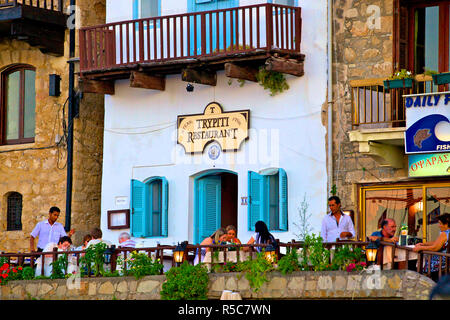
336,225
48,231
97,234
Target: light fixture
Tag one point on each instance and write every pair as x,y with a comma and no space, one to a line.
108,253
371,252
189,87
270,253
179,253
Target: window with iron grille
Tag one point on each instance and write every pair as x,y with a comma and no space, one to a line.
14,214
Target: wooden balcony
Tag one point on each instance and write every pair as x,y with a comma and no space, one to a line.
205,41
41,23
375,107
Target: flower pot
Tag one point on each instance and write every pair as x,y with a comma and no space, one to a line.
398,83
441,78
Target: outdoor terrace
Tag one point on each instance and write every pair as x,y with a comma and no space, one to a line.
41,23
193,44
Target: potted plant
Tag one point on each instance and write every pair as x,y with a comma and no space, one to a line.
441,78
400,79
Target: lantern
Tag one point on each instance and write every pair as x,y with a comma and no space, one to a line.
371,252
178,253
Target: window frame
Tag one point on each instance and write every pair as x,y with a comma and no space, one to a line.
12,224
444,41
3,104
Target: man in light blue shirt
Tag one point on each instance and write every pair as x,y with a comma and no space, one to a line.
336,225
48,231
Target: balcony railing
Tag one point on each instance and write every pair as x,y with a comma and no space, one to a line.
53,5
189,36
375,107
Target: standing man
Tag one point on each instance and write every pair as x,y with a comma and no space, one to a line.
48,231
336,224
387,232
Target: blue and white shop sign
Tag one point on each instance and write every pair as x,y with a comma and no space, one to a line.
427,123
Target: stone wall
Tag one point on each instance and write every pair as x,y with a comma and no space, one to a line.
362,49
38,170
393,284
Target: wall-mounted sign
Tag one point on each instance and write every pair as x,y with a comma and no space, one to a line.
118,219
427,123
429,165
228,129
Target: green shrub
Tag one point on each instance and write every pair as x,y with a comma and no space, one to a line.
289,263
140,265
28,273
255,270
186,282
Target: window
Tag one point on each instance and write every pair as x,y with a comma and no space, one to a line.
146,8
149,204
405,204
18,104
423,36
267,193
14,211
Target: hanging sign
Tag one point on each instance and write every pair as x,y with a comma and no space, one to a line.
427,123
429,165
228,129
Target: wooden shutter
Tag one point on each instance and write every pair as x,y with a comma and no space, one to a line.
255,198
401,37
210,203
165,207
139,208
283,189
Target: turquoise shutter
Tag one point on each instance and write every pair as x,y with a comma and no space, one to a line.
255,198
210,202
138,208
283,189
165,207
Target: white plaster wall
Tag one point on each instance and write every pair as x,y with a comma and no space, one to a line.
140,139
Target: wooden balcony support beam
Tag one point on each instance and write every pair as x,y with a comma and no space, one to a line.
236,71
96,86
288,66
202,76
147,81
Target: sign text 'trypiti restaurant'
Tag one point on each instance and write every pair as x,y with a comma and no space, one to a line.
229,129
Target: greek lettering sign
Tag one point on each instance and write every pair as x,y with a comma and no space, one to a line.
429,165
427,123
228,129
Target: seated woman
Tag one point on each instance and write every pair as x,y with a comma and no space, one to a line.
440,244
217,237
231,234
261,236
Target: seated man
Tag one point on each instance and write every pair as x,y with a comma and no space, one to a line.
125,240
387,232
96,235
64,244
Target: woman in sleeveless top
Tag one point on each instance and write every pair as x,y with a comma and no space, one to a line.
440,244
217,237
261,236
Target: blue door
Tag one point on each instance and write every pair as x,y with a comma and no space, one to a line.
209,203
209,5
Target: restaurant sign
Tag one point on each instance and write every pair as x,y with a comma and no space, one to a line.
427,123
429,165
228,129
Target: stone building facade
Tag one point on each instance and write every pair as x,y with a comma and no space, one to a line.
371,39
37,171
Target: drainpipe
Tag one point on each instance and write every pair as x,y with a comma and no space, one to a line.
71,116
330,94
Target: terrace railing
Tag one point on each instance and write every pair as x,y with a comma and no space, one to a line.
190,35
53,5
165,254
375,107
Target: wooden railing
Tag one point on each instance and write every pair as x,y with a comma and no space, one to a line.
190,35
53,5
165,254
375,107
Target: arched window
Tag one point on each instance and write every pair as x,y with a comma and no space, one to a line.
14,211
18,104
